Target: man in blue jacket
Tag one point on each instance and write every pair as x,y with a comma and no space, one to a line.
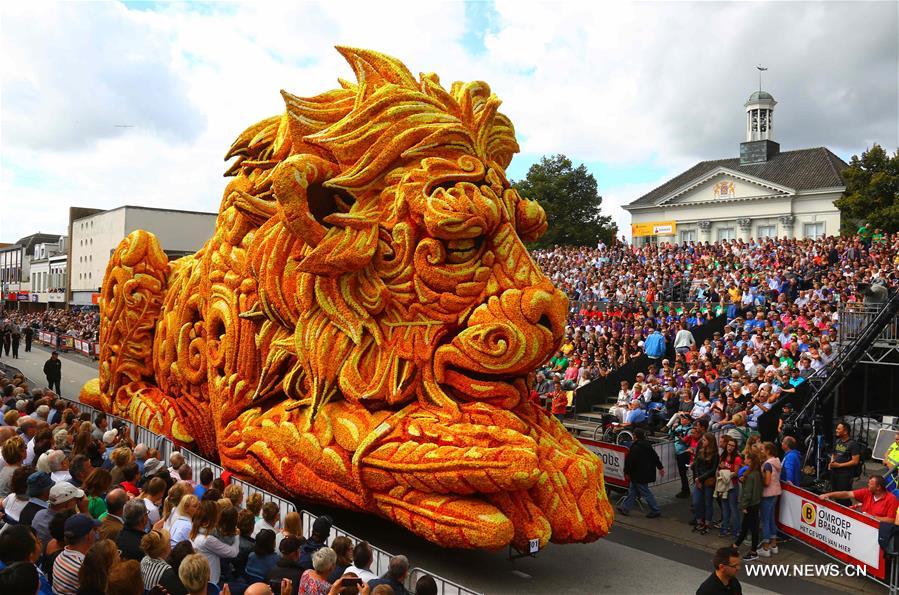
654,345
791,469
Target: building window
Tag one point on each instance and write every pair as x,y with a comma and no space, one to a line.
726,233
813,230
766,231
688,235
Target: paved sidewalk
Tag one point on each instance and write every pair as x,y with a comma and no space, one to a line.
674,526
76,369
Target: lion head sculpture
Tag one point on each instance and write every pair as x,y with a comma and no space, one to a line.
361,326
405,274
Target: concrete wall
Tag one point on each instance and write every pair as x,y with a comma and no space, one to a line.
764,213
93,240
180,231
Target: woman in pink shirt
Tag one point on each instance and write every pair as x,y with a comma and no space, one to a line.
770,492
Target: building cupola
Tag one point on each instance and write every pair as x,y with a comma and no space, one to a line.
759,146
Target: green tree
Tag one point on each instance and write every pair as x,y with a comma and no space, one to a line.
571,201
872,190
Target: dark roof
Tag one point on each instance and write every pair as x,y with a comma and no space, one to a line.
29,242
804,169
759,95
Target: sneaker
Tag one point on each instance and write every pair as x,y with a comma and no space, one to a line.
764,553
722,533
623,511
682,495
717,524
773,550
653,515
750,556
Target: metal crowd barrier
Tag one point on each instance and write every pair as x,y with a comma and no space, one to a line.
65,343
381,558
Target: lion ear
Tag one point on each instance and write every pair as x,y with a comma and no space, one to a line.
303,201
374,70
341,240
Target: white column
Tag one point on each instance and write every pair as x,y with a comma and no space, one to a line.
705,230
745,227
787,222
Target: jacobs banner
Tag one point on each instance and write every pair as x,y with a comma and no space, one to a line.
612,456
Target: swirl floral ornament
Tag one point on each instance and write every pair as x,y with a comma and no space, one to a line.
360,328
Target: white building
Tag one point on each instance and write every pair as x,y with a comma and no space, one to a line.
15,267
762,193
49,266
94,238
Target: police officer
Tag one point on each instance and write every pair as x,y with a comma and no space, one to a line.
53,372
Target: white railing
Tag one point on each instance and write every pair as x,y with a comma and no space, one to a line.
381,558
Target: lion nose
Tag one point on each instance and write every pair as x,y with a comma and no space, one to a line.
546,306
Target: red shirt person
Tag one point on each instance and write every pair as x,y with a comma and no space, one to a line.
874,500
559,400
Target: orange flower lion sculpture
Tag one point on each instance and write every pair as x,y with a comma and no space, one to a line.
360,328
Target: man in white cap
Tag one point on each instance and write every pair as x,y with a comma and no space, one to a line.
152,466
63,496
110,437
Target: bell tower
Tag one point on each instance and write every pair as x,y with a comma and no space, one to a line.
759,146
760,116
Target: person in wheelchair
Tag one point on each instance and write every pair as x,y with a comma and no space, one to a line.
636,416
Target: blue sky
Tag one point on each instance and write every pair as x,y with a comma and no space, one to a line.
636,91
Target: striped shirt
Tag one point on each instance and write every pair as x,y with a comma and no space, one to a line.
65,572
151,570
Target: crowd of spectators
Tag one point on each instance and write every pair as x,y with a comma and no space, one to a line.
619,294
78,323
86,511
781,300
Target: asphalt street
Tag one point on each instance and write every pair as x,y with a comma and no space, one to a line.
76,369
625,562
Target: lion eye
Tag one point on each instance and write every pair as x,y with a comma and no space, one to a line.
459,251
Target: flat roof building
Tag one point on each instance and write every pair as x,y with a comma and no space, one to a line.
95,235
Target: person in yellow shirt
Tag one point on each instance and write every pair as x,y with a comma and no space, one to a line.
735,294
891,455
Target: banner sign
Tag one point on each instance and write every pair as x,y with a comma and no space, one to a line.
834,529
655,228
66,342
612,456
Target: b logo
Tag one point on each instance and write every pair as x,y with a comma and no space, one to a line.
809,513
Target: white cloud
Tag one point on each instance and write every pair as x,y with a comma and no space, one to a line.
619,83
